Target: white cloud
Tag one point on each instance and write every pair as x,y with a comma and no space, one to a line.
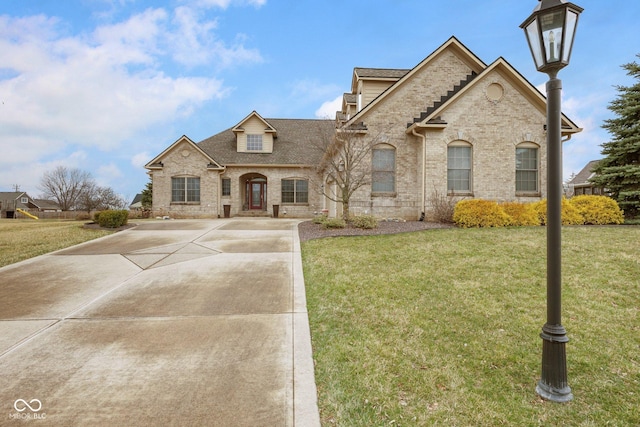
107,175
223,4
194,42
328,109
140,159
100,89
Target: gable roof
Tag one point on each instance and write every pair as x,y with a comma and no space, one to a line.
300,142
267,126
453,43
46,204
582,178
156,163
510,73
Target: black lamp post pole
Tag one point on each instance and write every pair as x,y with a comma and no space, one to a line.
553,384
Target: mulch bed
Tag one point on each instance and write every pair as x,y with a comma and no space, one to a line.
96,226
308,230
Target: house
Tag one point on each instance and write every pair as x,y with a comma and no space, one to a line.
44,205
10,201
452,125
136,203
580,183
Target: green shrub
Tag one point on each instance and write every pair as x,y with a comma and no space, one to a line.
520,214
479,213
113,219
319,219
598,209
570,215
334,223
364,221
96,217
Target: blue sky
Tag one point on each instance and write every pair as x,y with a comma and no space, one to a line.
106,85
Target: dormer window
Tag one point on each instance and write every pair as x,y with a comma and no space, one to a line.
254,142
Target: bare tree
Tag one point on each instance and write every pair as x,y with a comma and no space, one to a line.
347,164
65,186
96,198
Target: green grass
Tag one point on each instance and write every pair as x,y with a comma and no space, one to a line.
442,327
22,239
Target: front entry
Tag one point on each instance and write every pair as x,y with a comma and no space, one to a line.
256,194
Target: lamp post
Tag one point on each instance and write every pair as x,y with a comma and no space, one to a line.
550,31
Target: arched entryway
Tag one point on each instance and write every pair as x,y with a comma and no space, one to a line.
255,192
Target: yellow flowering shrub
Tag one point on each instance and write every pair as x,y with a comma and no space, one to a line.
598,209
570,215
479,213
520,214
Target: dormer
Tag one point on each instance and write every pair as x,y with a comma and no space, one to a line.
254,135
368,83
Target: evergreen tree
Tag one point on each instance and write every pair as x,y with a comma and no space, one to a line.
619,171
147,196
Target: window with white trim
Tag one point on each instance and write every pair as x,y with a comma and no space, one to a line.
383,169
185,189
459,161
254,142
527,168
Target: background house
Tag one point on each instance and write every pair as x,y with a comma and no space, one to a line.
580,183
452,125
11,201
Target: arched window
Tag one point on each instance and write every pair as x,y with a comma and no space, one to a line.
459,171
383,169
527,168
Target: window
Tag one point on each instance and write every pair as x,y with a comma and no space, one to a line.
459,168
254,142
226,186
295,191
185,189
383,174
526,170
24,200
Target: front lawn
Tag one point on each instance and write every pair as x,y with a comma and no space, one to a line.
441,327
21,239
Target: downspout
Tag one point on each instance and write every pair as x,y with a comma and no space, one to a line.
424,172
220,207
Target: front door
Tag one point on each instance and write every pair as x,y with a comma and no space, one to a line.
256,194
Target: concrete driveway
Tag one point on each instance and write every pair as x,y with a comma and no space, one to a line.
179,322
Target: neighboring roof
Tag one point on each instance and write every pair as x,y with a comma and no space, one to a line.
137,199
11,195
46,204
14,196
582,178
299,142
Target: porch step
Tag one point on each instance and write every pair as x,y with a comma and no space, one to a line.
254,214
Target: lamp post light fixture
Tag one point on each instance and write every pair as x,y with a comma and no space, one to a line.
550,31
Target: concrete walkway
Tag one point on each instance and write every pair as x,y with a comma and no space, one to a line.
173,323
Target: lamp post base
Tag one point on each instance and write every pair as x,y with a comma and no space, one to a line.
553,384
